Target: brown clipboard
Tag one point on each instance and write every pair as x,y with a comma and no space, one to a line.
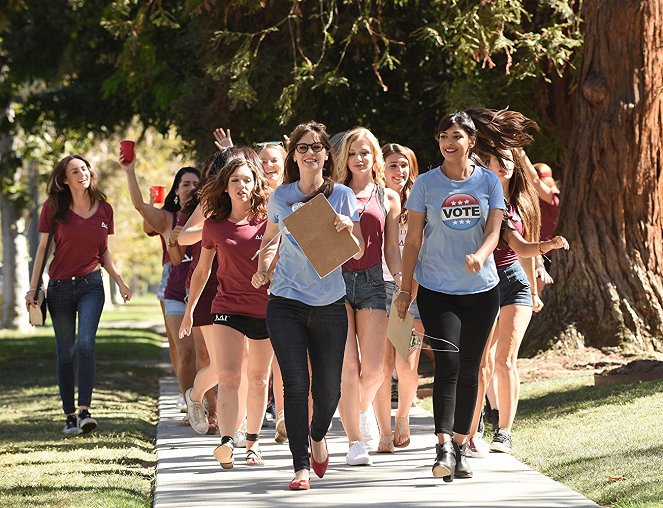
399,332
312,226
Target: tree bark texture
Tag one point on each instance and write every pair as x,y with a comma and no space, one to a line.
609,290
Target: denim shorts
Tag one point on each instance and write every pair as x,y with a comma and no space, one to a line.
254,328
167,267
364,289
391,289
174,307
514,286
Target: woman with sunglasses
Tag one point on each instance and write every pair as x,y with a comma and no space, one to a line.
306,315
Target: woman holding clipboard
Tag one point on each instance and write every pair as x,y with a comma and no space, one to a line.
306,315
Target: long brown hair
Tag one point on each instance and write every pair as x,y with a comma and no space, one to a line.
291,169
216,202
392,148
59,194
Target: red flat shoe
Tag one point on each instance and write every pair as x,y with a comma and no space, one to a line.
299,485
320,468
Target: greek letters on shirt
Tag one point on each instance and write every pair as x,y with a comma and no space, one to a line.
461,211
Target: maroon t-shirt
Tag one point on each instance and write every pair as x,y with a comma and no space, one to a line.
503,254
80,244
176,285
549,217
371,220
235,245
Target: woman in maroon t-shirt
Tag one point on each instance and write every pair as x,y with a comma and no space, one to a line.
81,220
164,221
235,204
361,167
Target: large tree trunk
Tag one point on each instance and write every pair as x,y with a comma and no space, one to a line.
608,289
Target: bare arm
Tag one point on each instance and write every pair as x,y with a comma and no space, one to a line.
109,266
175,250
526,249
192,232
157,218
198,280
268,248
33,292
413,240
543,190
392,254
529,267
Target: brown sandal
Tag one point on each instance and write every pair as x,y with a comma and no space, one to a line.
402,433
386,445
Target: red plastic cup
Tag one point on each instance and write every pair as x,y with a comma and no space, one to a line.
127,150
158,193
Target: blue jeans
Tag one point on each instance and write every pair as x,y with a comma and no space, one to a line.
67,297
298,331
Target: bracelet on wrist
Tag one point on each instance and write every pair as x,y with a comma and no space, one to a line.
540,248
406,292
397,273
172,244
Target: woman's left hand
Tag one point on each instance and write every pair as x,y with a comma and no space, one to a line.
125,291
537,304
343,222
473,263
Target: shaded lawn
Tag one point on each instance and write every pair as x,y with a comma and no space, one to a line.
115,465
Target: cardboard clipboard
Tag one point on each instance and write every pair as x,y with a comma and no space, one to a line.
399,332
312,226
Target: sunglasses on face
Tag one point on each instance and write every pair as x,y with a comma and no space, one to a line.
263,144
315,147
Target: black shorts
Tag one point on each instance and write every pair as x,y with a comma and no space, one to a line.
253,327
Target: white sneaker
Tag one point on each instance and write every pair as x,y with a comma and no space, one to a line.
358,455
197,414
240,436
477,447
181,404
368,426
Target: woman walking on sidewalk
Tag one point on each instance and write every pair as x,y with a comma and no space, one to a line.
80,219
361,167
461,205
235,202
306,314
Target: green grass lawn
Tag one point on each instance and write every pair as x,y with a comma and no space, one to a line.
581,435
115,465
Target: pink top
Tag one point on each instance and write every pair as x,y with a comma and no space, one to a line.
549,216
503,254
235,245
80,244
372,219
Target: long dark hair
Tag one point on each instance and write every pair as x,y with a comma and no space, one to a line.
170,204
291,169
59,193
392,148
216,202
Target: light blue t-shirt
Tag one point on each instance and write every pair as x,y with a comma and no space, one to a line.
294,275
456,214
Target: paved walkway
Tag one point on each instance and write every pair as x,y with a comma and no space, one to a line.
188,475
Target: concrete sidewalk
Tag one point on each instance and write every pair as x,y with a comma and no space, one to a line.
188,475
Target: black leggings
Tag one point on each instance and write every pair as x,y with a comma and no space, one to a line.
465,321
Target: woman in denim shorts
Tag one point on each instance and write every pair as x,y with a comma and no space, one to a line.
401,169
361,167
518,292
79,218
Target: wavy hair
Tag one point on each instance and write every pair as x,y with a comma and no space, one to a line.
344,175
392,148
291,169
216,202
59,193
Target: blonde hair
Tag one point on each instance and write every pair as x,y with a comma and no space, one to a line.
343,174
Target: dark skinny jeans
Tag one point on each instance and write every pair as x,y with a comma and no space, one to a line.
84,296
300,332
465,321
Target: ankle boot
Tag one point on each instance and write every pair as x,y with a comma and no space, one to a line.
445,461
462,465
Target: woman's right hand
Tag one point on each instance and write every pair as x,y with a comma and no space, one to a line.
260,278
30,299
222,139
403,300
185,327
